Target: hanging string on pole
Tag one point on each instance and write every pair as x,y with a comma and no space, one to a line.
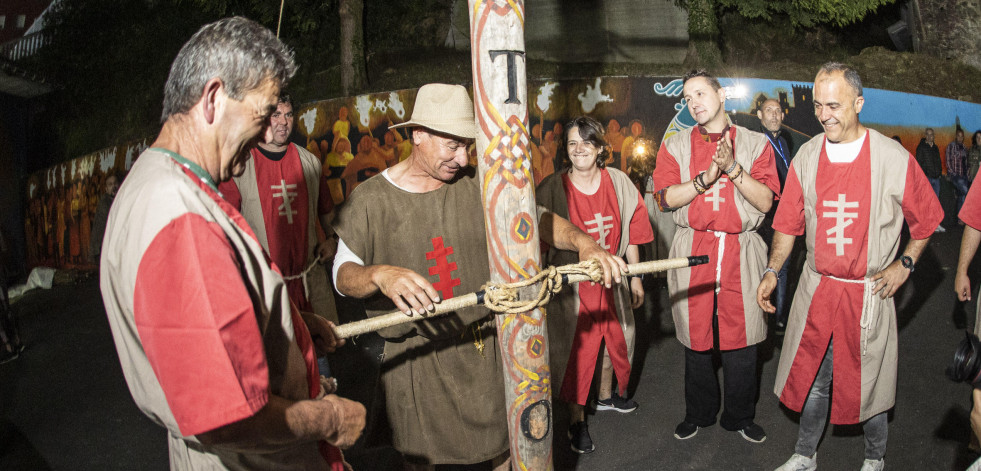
280,22
502,298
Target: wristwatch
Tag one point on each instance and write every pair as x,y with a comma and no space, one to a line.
907,262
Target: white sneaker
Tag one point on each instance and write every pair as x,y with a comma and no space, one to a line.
801,463
874,465
940,229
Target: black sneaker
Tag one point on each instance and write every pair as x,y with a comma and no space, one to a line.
685,430
579,439
753,433
616,403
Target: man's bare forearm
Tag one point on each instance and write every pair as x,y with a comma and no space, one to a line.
562,234
356,280
780,249
758,194
969,247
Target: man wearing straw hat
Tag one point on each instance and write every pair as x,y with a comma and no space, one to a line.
412,236
208,341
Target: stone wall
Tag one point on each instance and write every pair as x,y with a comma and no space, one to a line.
950,29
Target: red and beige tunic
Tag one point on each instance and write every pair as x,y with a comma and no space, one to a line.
282,201
971,215
442,378
580,321
852,215
721,224
200,317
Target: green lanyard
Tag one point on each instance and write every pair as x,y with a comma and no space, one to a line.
193,167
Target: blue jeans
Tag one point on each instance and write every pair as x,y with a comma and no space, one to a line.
961,186
935,183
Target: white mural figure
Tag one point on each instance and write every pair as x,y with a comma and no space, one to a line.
395,103
593,96
73,173
673,88
132,153
32,189
107,158
309,120
381,106
363,107
64,169
544,100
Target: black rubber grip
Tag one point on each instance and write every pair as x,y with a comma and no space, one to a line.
698,260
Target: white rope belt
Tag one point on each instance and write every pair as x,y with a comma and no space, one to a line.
718,261
869,318
303,275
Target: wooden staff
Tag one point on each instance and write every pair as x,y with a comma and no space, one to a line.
394,318
497,46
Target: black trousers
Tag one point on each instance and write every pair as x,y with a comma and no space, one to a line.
702,388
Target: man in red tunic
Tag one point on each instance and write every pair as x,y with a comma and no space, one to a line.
208,341
719,180
849,190
283,195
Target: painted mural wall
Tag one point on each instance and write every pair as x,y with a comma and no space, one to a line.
352,140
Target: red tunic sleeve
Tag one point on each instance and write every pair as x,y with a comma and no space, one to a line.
765,171
197,325
641,231
666,172
921,208
230,191
789,217
971,210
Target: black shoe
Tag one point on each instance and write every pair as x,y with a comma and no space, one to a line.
616,403
780,328
579,438
753,433
685,430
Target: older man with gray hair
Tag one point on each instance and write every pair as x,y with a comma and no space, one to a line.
208,341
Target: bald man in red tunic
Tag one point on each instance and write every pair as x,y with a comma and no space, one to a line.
719,180
848,191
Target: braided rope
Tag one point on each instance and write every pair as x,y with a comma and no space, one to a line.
503,298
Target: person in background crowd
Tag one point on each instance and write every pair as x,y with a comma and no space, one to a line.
928,156
957,169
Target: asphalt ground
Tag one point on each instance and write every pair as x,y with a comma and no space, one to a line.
64,404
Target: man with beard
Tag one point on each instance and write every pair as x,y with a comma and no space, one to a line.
284,196
719,180
849,190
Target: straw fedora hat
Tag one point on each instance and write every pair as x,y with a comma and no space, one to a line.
443,108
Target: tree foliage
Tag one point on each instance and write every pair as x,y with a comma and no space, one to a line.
802,13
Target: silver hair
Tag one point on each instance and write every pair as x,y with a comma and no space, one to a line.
239,51
851,75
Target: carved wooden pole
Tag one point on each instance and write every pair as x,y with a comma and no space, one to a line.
497,46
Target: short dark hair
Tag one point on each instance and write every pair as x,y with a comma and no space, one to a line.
590,130
851,75
239,51
701,73
286,98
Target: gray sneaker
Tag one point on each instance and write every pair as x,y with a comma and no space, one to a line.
801,463
874,465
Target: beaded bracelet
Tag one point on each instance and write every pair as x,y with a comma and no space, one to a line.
699,184
732,167
740,172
